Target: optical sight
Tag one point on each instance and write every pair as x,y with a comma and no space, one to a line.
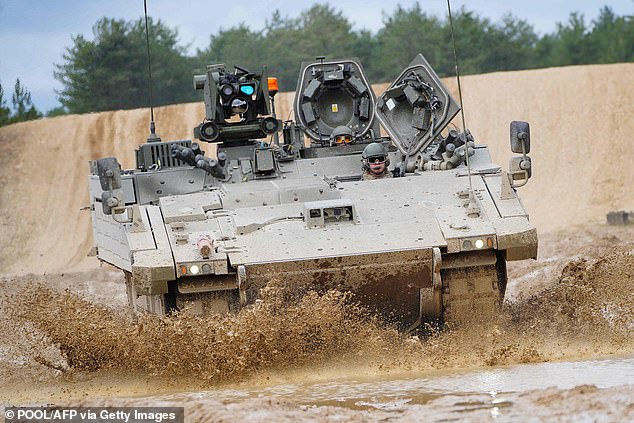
236,105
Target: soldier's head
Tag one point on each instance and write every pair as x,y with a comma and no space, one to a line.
375,158
341,135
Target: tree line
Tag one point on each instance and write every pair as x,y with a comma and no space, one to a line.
23,108
110,71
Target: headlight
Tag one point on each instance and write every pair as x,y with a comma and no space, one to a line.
194,269
477,244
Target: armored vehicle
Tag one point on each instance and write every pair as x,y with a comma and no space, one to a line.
204,235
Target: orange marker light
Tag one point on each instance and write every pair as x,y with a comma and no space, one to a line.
183,270
273,88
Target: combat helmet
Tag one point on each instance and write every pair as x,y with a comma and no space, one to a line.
375,150
341,135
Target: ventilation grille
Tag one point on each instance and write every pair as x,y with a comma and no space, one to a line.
159,153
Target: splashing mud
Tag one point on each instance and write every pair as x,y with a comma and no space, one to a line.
317,329
591,297
588,311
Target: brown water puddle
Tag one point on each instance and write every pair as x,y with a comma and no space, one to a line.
388,393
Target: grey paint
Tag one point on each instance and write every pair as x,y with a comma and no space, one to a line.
314,221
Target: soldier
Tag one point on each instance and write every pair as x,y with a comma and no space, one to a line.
375,162
341,135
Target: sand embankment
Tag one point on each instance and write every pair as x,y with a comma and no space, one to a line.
580,124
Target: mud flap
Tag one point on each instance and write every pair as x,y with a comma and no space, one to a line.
471,287
209,294
154,304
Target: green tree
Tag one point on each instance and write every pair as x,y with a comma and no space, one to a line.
612,37
475,37
364,47
608,39
324,31
318,31
281,52
5,112
511,45
481,45
110,72
570,43
57,111
285,42
23,108
406,33
237,45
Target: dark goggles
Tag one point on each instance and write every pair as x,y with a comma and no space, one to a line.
376,159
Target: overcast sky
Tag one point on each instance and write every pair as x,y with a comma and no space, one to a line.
34,33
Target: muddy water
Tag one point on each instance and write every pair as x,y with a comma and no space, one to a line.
580,391
389,393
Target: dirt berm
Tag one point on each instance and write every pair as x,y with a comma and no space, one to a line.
581,126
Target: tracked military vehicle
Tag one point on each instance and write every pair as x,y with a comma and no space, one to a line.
205,235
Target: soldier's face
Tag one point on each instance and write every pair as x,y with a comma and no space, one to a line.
376,165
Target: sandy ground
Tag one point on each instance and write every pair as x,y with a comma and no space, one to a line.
68,338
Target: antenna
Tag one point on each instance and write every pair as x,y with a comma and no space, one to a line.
473,209
321,61
153,137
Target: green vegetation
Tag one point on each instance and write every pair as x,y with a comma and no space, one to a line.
23,108
482,45
110,71
5,112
